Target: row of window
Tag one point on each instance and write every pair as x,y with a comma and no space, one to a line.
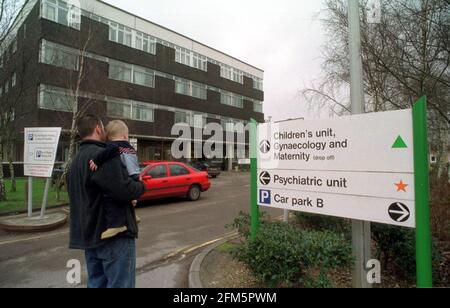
58,99
62,13
9,84
131,74
62,56
231,73
190,88
191,59
69,15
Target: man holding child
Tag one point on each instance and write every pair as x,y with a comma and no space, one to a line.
103,184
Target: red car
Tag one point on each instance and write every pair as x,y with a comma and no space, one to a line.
173,179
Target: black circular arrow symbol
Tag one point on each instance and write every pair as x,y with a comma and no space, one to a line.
264,178
399,212
264,146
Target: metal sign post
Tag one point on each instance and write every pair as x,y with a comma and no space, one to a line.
254,179
361,237
423,230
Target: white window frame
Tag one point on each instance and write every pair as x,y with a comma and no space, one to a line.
132,105
133,69
60,49
231,73
73,13
190,58
59,91
258,107
231,99
190,86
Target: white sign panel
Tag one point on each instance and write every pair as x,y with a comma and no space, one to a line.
359,167
41,145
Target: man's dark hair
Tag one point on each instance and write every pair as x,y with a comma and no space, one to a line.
87,124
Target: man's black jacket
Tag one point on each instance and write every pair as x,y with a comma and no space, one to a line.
87,190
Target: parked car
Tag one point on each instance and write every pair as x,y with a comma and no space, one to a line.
173,179
213,171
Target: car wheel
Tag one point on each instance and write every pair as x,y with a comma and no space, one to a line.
194,193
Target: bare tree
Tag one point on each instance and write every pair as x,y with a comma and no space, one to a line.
9,9
405,56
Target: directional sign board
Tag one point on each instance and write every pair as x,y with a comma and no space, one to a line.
41,145
359,167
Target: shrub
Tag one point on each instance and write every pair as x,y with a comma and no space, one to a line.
242,223
281,255
320,223
397,246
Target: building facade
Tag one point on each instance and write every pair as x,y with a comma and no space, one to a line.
87,56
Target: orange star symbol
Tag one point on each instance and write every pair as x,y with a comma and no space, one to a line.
401,186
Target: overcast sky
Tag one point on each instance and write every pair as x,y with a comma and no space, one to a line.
283,38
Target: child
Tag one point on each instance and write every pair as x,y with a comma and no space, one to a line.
118,145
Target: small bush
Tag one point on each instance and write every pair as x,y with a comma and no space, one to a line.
281,255
320,222
242,223
397,246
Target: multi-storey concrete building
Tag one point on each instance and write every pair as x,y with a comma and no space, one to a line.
119,66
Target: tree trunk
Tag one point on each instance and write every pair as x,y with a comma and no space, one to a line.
2,178
12,173
72,145
442,153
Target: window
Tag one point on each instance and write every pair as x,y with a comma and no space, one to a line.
14,80
186,87
7,87
192,59
258,107
60,56
55,99
231,99
120,34
182,117
125,109
60,12
145,42
178,170
142,112
225,72
143,77
119,108
182,87
132,74
120,71
199,91
231,73
158,171
199,62
258,84
199,120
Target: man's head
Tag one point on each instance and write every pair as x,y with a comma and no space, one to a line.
117,131
90,127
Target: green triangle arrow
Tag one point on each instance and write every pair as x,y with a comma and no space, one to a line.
399,143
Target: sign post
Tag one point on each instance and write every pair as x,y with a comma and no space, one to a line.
369,167
254,179
40,147
423,233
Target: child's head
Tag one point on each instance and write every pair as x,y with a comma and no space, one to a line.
117,130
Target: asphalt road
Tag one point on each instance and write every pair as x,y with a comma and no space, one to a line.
172,232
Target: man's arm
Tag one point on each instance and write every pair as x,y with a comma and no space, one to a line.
113,180
106,154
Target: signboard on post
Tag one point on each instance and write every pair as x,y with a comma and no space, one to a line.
350,167
41,145
367,167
